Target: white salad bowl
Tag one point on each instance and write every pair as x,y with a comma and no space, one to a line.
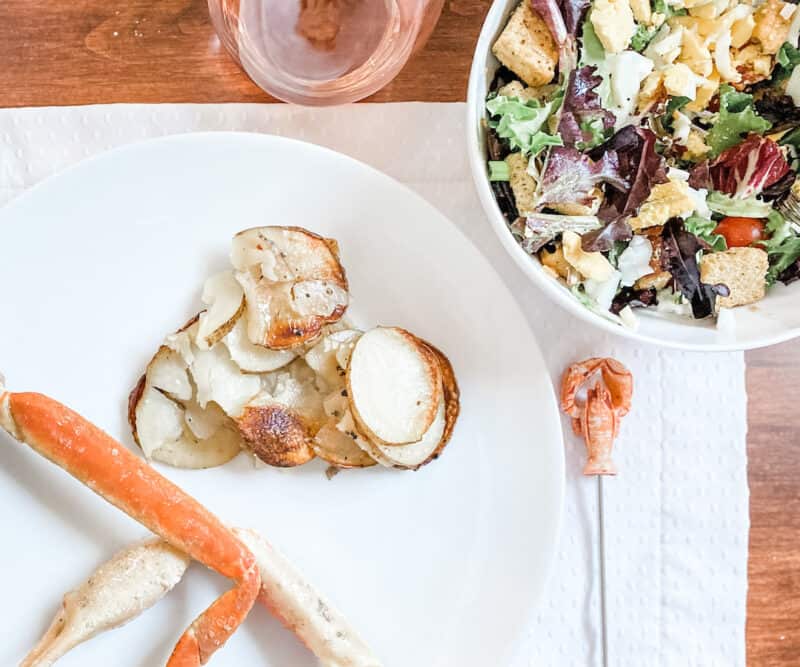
774,319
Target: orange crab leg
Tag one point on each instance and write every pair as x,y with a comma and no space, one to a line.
113,472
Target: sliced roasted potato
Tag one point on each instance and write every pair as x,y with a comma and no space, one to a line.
220,380
295,387
330,356
167,371
452,401
224,297
278,425
252,358
292,281
277,435
416,454
340,449
394,384
160,428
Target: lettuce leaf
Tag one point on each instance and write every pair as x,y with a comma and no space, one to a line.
680,250
642,37
668,10
743,170
521,123
703,229
751,207
788,57
737,117
570,176
783,246
584,123
639,166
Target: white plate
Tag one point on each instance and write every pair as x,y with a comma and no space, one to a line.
439,567
774,319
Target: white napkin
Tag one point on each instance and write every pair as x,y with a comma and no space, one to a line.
677,515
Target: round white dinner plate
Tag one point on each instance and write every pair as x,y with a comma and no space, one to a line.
435,568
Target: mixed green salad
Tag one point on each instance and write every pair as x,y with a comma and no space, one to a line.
646,153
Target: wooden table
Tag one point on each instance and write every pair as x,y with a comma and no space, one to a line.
60,52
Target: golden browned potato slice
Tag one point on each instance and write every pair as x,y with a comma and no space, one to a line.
276,434
224,297
293,284
394,385
279,424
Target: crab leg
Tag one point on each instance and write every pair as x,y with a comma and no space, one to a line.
137,577
124,480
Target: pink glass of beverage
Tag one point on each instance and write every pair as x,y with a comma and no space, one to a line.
320,52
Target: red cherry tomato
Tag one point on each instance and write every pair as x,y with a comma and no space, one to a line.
741,232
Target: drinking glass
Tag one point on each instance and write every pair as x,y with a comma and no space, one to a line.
320,52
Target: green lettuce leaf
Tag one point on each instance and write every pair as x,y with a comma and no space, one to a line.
675,104
594,126
703,228
642,37
783,246
662,7
751,207
788,57
522,123
592,52
737,117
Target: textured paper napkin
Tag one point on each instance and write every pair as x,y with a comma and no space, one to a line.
677,515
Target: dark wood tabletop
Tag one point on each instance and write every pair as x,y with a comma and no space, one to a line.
61,52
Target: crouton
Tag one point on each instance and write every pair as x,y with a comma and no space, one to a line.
522,183
772,25
518,90
526,47
741,270
555,261
666,200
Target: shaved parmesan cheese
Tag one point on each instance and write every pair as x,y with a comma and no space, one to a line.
700,206
629,319
603,293
634,261
722,58
794,29
665,46
681,127
628,69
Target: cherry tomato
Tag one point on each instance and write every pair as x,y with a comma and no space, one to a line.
741,232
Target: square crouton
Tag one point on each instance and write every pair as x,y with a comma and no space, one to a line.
521,92
522,183
526,47
741,270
